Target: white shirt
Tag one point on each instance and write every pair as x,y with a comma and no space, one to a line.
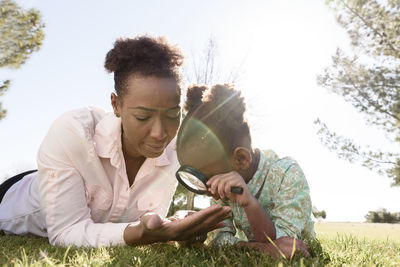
80,194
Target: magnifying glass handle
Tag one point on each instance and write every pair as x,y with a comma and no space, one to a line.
236,190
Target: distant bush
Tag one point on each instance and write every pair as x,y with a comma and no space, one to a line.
318,214
382,216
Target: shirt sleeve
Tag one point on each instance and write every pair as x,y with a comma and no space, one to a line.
292,203
225,235
62,190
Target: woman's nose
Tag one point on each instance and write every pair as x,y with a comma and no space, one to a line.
158,130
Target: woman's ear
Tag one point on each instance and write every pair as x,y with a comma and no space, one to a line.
241,159
116,105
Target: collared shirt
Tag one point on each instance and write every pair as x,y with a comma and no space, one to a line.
81,194
282,190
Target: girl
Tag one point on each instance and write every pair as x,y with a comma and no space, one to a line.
275,203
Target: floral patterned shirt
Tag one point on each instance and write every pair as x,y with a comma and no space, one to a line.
281,188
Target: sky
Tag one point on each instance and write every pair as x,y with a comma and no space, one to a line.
278,46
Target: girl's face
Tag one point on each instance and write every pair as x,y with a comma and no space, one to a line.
219,166
207,157
150,115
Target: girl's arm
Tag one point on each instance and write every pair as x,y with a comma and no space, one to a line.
292,203
260,222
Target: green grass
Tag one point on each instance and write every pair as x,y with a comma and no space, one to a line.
370,231
364,247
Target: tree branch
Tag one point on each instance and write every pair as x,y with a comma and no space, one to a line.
370,26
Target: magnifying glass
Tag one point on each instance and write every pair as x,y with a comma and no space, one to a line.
196,181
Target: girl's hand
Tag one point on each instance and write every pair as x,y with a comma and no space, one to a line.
152,228
220,188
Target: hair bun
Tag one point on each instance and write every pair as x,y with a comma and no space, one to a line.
218,110
118,57
228,98
194,97
142,53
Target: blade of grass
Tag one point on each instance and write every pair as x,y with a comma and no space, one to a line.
294,248
273,243
65,254
45,258
226,260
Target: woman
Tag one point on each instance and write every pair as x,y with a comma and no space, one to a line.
108,178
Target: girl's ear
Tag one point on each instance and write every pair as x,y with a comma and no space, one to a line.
116,105
241,159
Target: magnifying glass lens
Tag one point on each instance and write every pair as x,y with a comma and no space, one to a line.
192,181
195,181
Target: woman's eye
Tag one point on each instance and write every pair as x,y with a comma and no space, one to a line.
142,118
174,115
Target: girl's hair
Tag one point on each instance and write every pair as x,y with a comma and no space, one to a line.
143,55
220,111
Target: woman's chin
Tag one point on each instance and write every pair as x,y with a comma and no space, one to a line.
151,152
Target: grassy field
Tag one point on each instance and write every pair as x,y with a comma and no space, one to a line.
370,231
355,244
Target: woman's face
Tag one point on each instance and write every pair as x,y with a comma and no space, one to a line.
150,115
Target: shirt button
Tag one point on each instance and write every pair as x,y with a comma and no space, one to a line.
151,204
51,174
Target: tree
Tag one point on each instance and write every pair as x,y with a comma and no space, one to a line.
21,34
382,216
373,217
369,80
318,214
3,88
207,70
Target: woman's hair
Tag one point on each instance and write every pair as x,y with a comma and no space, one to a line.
143,55
219,111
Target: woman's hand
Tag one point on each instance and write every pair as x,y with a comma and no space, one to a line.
194,241
180,214
152,228
285,245
220,188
